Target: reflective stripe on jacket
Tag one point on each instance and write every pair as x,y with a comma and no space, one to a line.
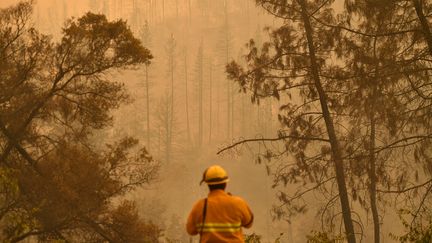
225,217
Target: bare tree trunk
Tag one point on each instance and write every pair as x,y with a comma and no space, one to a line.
210,105
337,158
373,181
171,121
170,114
167,133
243,114
228,110
187,99
217,110
372,158
159,142
258,120
200,96
232,108
229,101
148,107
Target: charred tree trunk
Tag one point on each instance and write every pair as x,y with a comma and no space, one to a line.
337,158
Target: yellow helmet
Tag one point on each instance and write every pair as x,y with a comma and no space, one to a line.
214,175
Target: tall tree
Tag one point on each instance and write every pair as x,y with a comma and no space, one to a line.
54,96
226,54
378,54
171,54
296,63
146,39
210,100
199,68
165,125
187,97
376,98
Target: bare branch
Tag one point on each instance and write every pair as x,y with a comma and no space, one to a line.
271,139
405,189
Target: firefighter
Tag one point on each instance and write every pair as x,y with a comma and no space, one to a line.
219,217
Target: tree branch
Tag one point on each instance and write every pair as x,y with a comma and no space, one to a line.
405,189
271,139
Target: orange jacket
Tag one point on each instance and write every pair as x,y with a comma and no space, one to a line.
225,217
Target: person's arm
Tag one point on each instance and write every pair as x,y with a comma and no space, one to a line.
192,220
248,217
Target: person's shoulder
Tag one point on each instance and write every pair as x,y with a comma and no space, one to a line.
237,199
199,203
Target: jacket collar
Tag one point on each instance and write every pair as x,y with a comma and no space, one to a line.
217,192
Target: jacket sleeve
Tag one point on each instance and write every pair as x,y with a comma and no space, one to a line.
247,219
192,220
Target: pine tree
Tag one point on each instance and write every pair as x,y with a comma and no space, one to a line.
373,53
264,76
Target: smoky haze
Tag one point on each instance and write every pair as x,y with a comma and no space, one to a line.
186,105
205,36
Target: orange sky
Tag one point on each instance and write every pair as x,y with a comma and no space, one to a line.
79,3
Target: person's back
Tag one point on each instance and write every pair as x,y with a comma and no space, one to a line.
220,217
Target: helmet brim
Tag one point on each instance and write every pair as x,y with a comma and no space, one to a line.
217,182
